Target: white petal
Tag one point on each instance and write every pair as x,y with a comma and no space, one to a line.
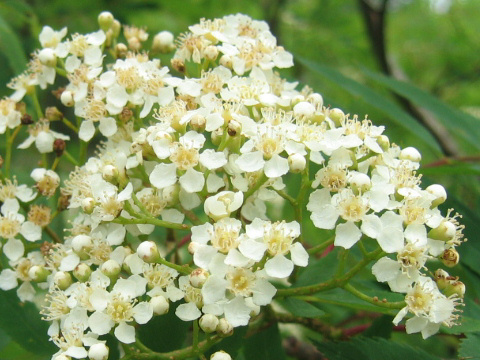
263,292
235,258
125,333
416,234
212,159
276,166
116,234
347,235
87,130
371,226
30,231
299,255
99,299
8,279
192,181
385,269
143,312
188,312
173,215
100,323
26,292
163,175
214,183
13,249
326,218
391,240
415,324
108,126
251,162
279,267
44,142
214,289
237,312
252,249
203,255
69,263
77,352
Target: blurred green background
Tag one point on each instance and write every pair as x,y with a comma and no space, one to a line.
411,65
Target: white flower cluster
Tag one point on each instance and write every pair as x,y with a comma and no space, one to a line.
204,156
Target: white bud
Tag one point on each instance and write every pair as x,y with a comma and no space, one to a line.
198,277
211,52
303,109
82,272
81,243
98,351
170,194
446,231
148,252
192,247
297,163
67,98
337,116
105,20
88,204
220,355
160,305
360,182
226,61
439,192
316,99
163,42
62,279
109,172
224,328
208,323
111,268
47,57
410,153
38,273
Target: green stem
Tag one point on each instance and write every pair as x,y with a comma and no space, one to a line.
70,125
8,155
195,334
71,158
263,179
83,152
320,247
374,300
287,197
332,283
183,269
52,234
36,103
188,352
153,221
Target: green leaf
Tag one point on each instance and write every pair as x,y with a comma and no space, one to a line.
459,123
301,308
373,98
467,325
318,270
164,333
232,344
381,327
470,347
11,47
265,345
361,348
451,169
21,321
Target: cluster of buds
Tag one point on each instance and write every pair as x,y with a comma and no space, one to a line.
204,160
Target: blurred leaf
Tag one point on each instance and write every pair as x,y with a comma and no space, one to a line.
470,347
232,344
381,327
459,123
11,47
265,345
467,325
318,271
373,98
164,333
301,308
451,169
361,348
21,321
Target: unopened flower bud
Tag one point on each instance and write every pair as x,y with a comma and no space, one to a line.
148,252
456,288
450,257
220,355
116,28
211,52
224,328
163,42
59,147
105,20
111,268
67,98
170,194
160,305
234,128
198,123
384,142
208,323
98,351
254,308
88,205
38,273
226,61
337,116
82,272
439,192
109,173
410,153
192,247
47,181
198,277
47,57
81,244
303,110
62,279
134,43
360,182
121,50
26,119
53,114
446,231
316,99
296,163
63,202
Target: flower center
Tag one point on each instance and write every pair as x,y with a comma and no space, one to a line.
9,228
241,281
184,158
120,309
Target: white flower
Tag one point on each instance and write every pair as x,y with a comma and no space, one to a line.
223,204
42,136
